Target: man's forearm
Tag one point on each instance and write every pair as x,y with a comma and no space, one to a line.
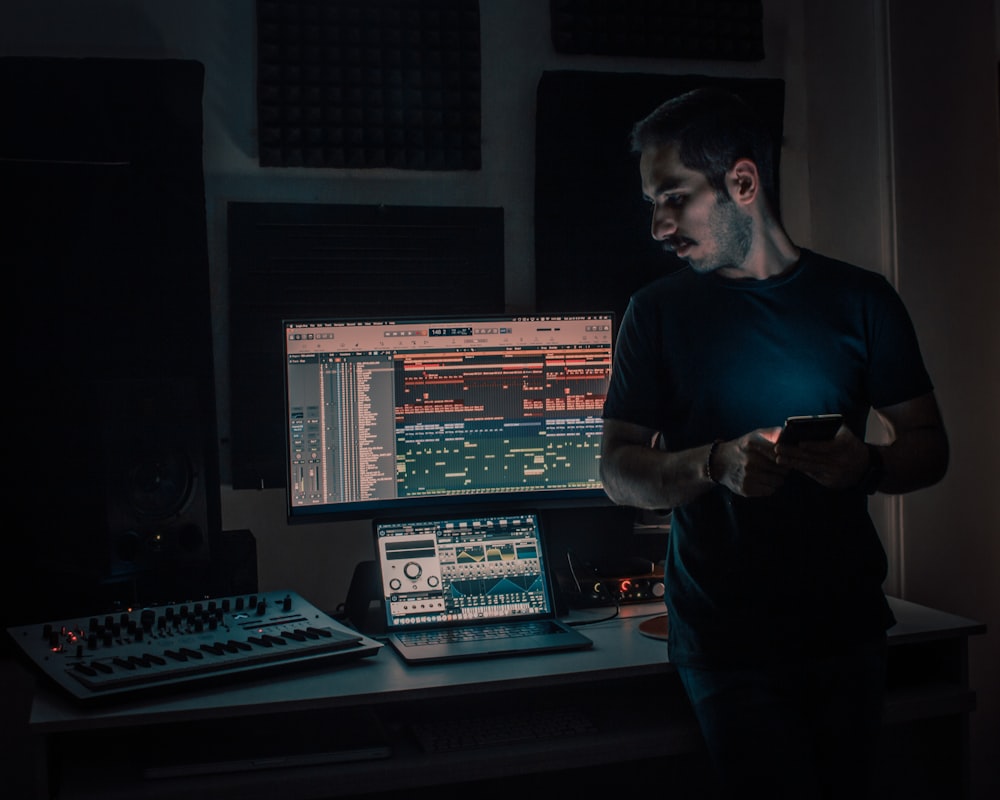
644,478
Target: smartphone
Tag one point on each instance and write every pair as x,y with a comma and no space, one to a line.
810,427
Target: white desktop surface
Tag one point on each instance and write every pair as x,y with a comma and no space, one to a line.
619,650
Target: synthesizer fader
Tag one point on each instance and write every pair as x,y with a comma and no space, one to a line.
175,645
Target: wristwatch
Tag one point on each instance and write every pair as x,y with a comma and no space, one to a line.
875,472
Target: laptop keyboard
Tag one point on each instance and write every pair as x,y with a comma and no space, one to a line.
489,730
503,630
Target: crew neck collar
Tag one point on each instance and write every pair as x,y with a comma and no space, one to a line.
764,283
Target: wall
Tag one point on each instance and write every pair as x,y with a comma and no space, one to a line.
515,51
319,559
944,102
870,174
903,174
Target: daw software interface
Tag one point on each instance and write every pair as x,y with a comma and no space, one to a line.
382,414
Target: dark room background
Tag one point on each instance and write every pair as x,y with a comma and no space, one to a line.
889,116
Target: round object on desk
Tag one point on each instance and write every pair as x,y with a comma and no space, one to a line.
655,627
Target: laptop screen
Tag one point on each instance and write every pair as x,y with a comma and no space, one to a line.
461,570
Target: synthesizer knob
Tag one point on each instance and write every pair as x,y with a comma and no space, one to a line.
147,618
286,604
261,608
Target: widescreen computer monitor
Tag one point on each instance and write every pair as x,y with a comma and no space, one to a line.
392,415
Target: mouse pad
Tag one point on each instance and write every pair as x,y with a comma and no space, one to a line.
655,627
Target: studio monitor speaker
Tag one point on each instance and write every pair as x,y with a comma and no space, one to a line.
154,475
114,447
364,605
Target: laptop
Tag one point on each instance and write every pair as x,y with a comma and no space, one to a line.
469,586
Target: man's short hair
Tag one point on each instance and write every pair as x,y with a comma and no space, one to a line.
712,129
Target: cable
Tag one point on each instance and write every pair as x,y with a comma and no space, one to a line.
578,623
572,572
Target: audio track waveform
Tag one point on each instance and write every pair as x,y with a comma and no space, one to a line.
558,459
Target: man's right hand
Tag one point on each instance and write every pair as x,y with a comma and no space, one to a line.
747,466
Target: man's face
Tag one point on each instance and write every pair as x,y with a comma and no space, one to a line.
689,218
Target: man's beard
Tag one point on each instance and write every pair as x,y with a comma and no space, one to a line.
733,233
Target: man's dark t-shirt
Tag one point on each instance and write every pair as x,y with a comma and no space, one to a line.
702,357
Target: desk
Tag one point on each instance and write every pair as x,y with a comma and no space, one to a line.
625,684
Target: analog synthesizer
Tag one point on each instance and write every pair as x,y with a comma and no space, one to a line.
175,645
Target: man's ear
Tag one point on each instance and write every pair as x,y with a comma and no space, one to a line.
743,181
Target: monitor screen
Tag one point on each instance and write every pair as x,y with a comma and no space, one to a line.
387,415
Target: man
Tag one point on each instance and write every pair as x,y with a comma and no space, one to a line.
774,570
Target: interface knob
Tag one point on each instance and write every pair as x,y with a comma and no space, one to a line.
412,570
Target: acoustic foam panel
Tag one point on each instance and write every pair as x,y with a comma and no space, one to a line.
727,30
369,83
299,260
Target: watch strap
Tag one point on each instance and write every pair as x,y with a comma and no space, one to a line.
875,472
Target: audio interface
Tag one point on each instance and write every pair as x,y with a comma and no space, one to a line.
614,590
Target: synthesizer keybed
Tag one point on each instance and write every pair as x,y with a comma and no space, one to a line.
171,646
